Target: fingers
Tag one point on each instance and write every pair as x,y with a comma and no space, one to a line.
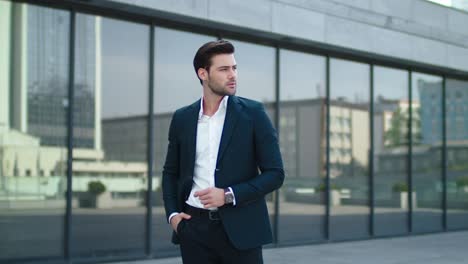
185,216
211,197
210,205
202,192
205,197
175,221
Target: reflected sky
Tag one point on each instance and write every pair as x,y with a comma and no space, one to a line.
351,80
176,83
125,65
302,76
390,83
256,71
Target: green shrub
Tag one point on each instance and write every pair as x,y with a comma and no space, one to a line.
400,187
322,187
462,182
96,187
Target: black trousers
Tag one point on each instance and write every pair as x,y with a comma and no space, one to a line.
204,241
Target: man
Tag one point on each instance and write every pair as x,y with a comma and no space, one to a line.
223,158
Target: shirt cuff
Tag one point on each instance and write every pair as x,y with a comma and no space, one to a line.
172,215
233,196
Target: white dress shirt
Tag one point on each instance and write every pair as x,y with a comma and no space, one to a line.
209,132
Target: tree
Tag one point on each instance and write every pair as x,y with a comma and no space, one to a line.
397,134
394,136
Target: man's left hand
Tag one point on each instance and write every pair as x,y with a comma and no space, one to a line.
211,197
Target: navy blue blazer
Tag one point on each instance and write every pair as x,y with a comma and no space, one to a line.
249,161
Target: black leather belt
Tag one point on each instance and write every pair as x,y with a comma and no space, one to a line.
212,215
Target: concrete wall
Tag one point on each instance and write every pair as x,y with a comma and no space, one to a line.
411,29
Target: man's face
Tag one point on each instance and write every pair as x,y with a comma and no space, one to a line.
221,78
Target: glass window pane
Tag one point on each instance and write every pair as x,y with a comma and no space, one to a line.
456,114
391,126
110,137
176,85
33,130
256,73
349,149
426,156
303,146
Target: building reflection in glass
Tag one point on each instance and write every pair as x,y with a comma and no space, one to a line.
349,149
391,128
456,118
302,126
109,166
426,156
33,121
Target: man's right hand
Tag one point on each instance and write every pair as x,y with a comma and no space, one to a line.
175,220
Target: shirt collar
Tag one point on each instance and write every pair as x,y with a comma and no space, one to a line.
222,105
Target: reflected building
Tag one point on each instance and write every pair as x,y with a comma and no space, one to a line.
39,93
299,137
33,130
456,102
456,118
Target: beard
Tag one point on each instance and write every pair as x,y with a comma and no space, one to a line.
220,90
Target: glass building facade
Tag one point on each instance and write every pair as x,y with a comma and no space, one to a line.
372,147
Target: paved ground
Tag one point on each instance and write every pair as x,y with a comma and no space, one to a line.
441,248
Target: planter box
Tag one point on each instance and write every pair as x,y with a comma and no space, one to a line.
104,200
404,201
335,198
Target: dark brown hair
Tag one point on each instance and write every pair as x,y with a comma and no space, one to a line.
204,54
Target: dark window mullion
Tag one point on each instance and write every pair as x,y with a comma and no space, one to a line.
444,155
150,149
371,153
410,151
276,122
327,177
71,80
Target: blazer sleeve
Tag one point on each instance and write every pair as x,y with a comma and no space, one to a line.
268,158
171,170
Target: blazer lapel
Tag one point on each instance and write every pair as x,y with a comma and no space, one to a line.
192,123
232,115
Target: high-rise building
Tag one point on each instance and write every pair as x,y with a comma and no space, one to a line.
39,103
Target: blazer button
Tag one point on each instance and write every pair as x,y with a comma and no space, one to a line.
217,169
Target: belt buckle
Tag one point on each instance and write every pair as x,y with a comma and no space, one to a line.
213,215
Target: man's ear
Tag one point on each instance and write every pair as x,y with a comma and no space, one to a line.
202,74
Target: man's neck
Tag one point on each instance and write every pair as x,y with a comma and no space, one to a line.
211,104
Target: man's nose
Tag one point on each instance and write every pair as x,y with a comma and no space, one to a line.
232,73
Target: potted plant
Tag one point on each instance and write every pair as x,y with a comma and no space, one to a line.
97,195
462,184
335,196
400,189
